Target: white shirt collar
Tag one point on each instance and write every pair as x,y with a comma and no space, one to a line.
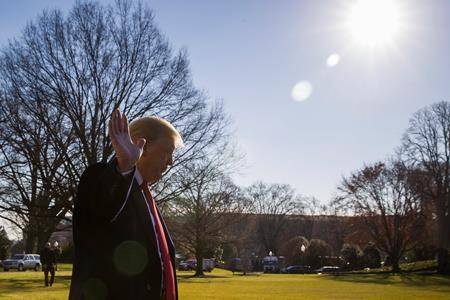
138,177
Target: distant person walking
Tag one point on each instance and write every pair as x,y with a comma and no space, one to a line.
57,250
48,260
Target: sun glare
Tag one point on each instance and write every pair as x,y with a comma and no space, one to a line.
374,22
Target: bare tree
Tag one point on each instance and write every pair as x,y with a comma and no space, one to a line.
5,244
35,194
69,72
426,146
273,203
384,197
206,207
315,211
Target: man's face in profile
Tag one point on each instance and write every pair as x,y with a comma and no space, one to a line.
156,158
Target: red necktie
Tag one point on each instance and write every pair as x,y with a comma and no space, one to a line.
168,273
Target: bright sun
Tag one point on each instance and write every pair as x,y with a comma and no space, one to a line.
374,23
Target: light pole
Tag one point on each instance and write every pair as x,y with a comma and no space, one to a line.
303,248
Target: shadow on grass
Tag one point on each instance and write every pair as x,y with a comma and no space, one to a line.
188,278
207,278
247,275
13,285
409,279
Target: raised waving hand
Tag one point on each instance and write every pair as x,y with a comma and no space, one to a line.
127,152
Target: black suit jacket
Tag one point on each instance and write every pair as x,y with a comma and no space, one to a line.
48,256
116,253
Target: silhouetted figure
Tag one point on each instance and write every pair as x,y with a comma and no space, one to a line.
123,249
48,260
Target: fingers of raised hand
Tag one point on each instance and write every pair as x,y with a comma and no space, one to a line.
118,127
118,123
111,123
126,129
111,132
123,125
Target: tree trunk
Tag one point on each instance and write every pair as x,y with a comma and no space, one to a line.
443,242
199,257
443,258
395,265
43,238
199,270
30,240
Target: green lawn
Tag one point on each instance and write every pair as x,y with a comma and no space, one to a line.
222,284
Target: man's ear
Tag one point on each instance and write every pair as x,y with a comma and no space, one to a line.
148,144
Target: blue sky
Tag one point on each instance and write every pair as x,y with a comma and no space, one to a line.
252,53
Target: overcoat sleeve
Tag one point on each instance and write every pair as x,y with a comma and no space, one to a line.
101,194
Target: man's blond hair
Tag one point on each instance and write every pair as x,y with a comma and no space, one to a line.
152,128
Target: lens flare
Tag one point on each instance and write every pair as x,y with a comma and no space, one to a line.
333,60
302,90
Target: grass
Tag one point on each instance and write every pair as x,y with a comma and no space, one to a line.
221,284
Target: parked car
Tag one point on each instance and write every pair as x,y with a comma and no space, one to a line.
328,269
22,262
208,264
187,265
191,265
234,264
296,269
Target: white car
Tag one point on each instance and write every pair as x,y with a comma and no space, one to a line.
22,262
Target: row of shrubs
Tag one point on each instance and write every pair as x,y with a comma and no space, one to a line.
317,253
